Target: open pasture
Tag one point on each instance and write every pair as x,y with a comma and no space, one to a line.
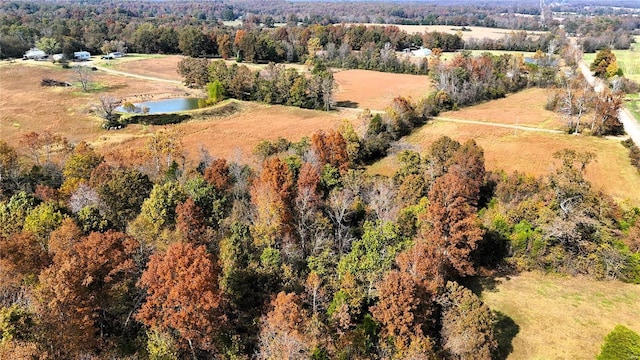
235,135
560,317
163,67
524,108
527,151
476,32
628,60
374,90
355,88
25,106
450,55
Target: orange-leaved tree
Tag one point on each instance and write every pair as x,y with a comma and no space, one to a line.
182,295
283,330
83,296
331,148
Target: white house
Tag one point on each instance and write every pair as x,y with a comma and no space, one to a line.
34,54
81,55
58,57
421,52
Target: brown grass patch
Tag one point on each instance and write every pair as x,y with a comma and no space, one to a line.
375,90
525,108
239,133
165,67
476,32
532,153
563,317
25,106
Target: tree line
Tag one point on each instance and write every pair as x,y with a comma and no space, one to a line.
274,84
305,255
196,30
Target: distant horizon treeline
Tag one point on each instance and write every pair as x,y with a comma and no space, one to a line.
196,29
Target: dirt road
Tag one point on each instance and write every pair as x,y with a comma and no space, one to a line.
486,123
631,125
151,78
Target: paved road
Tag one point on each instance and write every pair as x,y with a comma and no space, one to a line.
631,125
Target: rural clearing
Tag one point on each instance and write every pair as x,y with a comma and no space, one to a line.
561,317
516,132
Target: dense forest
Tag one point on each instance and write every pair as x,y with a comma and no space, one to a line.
197,29
304,256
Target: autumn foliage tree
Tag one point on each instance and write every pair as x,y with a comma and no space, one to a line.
190,223
218,175
467,324
85,296
403,310
283,330
443,249
182,296
331,148
272,195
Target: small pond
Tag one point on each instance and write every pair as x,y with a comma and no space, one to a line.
163,106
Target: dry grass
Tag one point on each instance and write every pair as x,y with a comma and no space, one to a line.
525,108
529,152
563,317
26,107
165,67
238,134
476,32
532,153
375,90
361,88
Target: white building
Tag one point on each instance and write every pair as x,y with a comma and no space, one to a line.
421,52
81,55
34,54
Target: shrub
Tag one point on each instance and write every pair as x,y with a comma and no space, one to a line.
621,343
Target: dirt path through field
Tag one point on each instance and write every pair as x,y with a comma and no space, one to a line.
631,126
516,127
151,78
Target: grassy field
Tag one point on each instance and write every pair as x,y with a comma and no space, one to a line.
476,32
524,108
527,151
450,55
25,106
556,317
628,60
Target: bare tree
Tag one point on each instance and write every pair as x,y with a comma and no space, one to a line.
106,107
339,210
83,76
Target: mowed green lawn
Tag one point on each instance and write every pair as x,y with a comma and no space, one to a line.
560,317
628,60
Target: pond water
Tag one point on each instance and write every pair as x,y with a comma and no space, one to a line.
164,106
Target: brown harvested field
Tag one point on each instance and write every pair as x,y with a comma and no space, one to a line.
164,67
373,90
532,153
563,317
525,108
476,32
355,88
